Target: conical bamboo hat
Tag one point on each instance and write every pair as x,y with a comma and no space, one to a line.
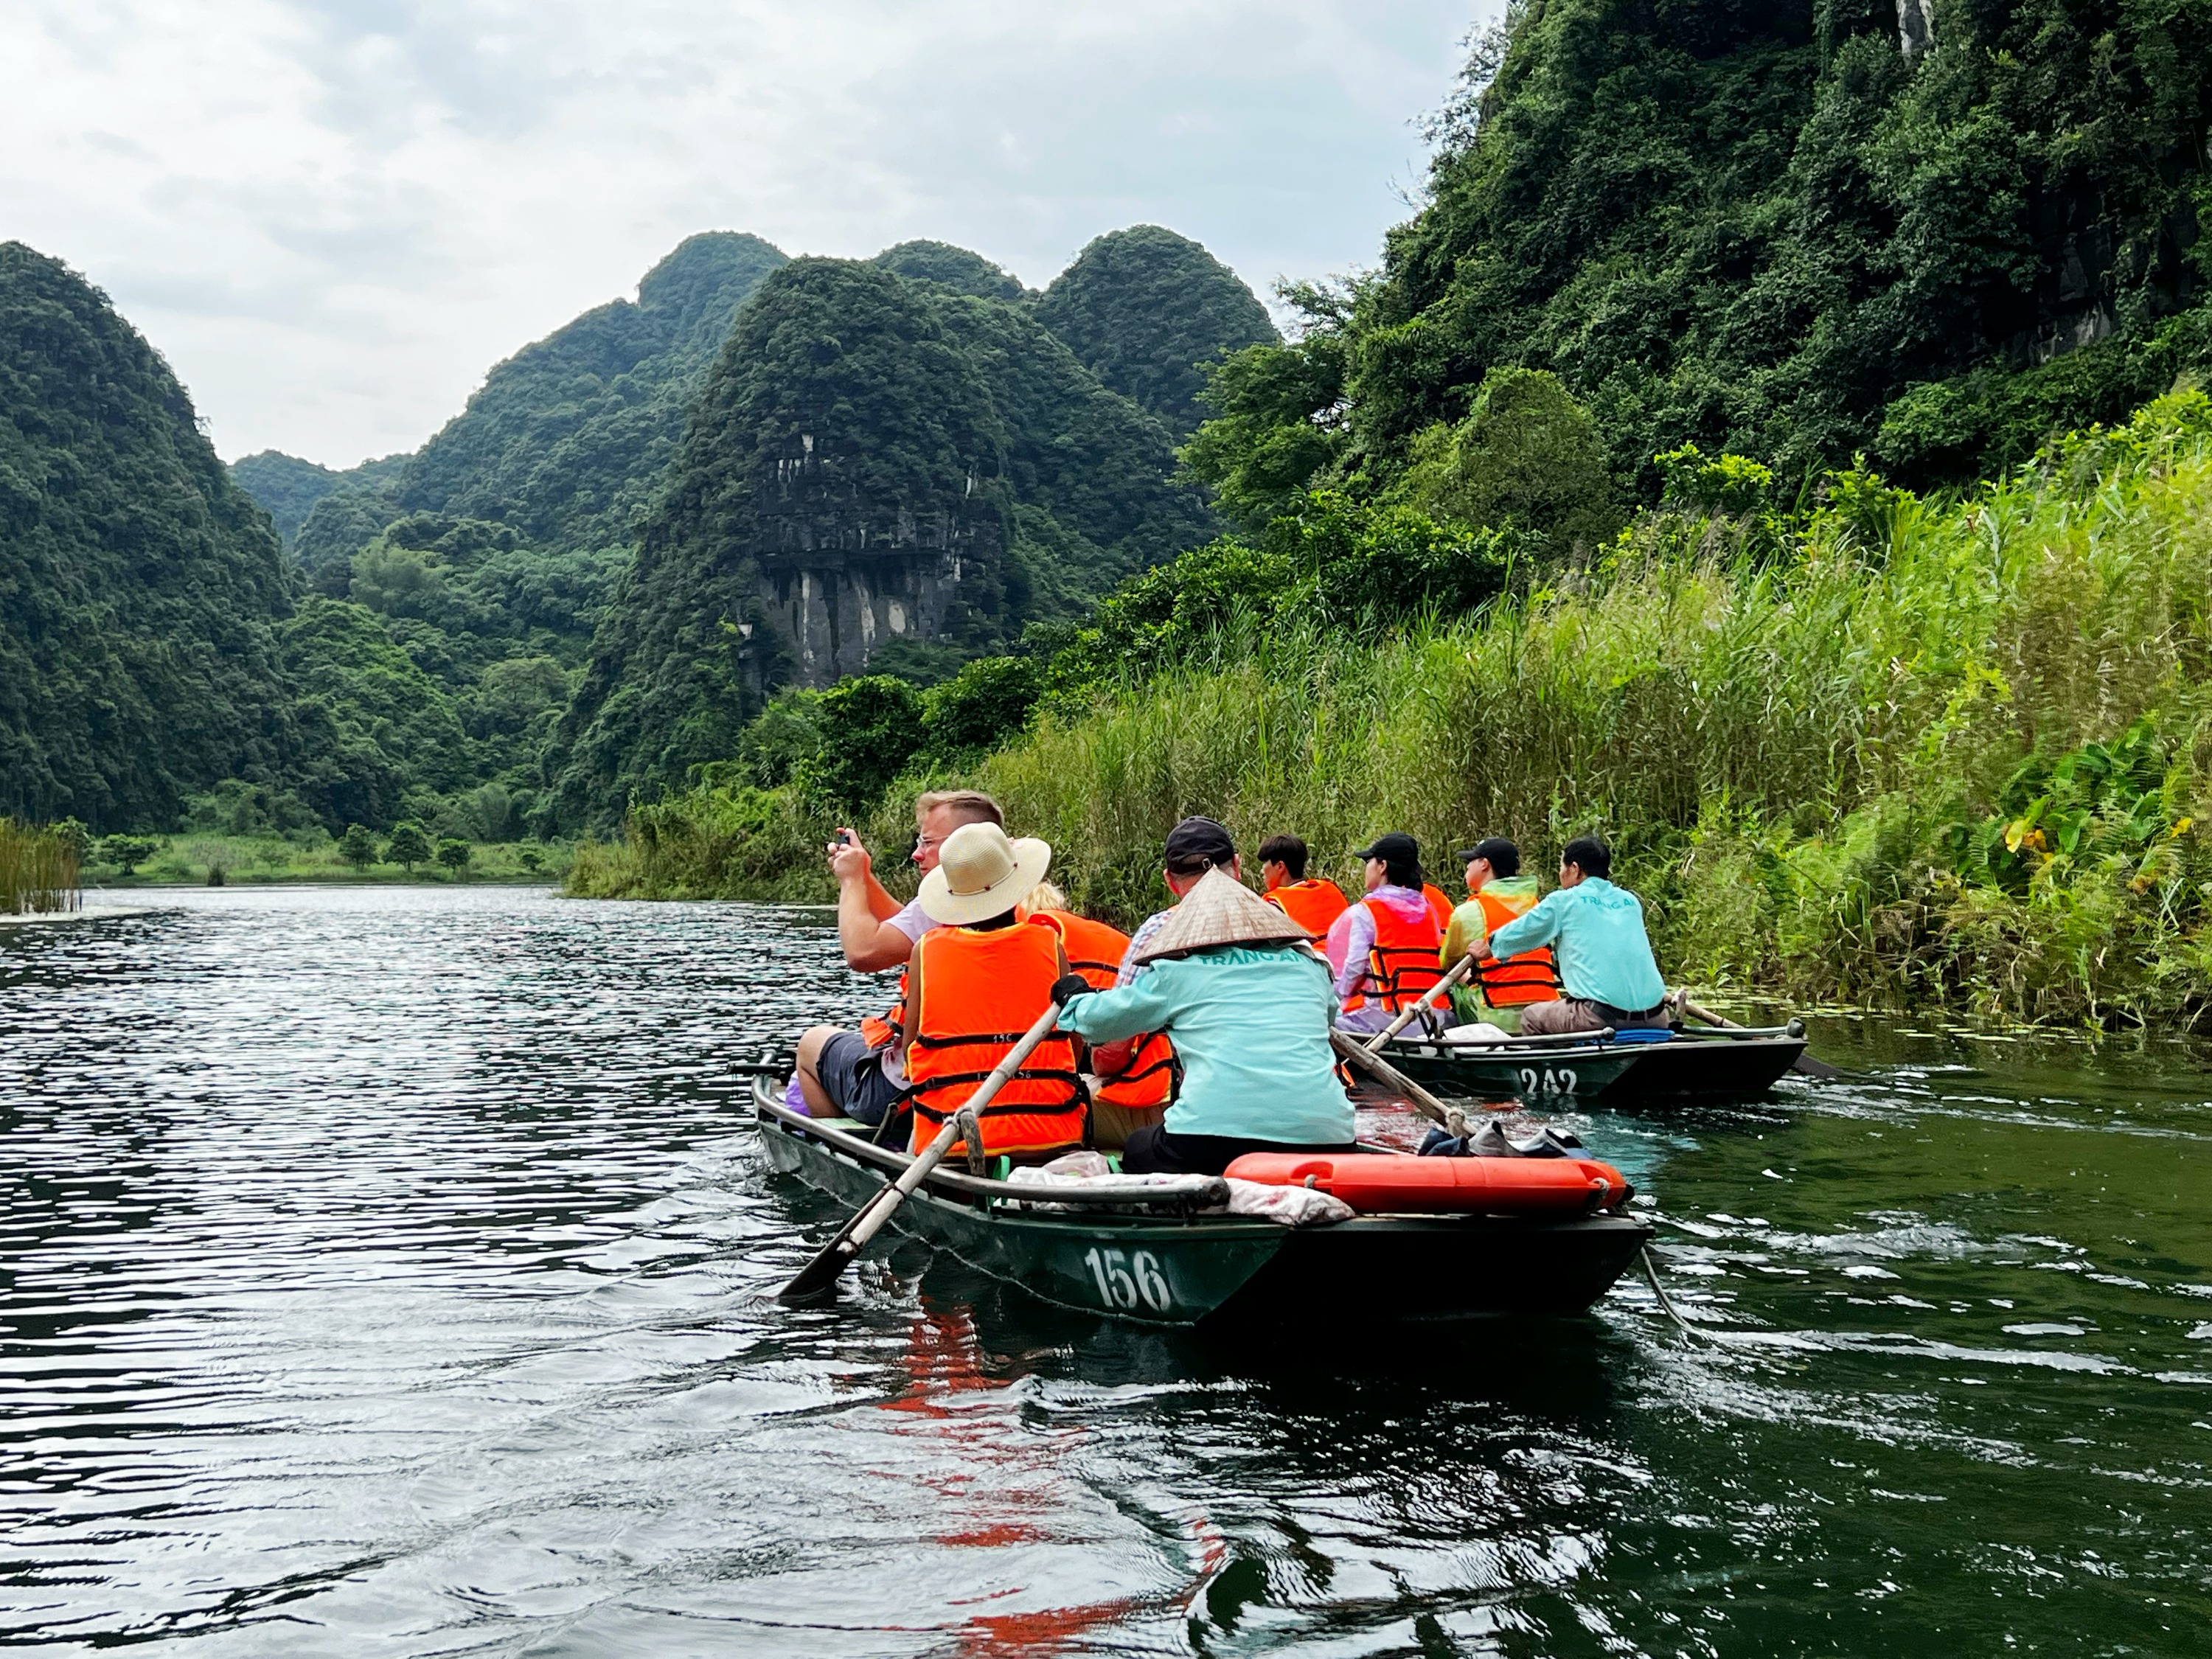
1219,911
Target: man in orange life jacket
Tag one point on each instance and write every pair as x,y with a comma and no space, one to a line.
1384,948
1496,893
1131,1087
1312,902
859,1073
974,983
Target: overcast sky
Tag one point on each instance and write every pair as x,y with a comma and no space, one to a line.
334,216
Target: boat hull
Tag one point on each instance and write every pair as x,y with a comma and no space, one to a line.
1691,1066
1161,1270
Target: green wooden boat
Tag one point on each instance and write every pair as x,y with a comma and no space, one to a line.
1150,1264
1618,1070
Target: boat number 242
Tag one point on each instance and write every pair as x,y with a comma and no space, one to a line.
1124,1279
1548,1080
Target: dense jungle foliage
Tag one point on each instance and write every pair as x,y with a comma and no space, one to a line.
1146,310
937,418
141,590
1770,230
1877,747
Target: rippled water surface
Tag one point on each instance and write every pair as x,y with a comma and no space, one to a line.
382,1271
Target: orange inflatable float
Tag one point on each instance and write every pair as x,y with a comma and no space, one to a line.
1397,1183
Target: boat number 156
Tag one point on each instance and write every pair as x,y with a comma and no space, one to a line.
1549,1080
1123,1278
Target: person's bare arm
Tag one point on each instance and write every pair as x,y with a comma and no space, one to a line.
864,912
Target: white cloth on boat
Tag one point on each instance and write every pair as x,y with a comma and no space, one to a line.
1291,1206
1481,1032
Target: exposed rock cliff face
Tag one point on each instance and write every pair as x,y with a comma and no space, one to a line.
874,462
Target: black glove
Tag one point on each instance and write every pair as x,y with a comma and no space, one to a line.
1069,987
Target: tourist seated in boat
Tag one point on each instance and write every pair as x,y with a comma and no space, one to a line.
1496,893
857,1075
1312,902
975,982
1608,974
1131,1082
1194,847
1384,949
1232,981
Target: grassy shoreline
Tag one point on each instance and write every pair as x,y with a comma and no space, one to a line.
189,860
1901,752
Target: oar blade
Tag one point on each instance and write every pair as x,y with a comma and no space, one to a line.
818,1277
1819,1070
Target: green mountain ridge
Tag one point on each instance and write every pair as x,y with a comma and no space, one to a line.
876,465
141,588
1785,231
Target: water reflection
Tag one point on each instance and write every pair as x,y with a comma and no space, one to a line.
384,1270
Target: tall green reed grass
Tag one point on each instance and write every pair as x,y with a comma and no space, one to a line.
1951,750
37,871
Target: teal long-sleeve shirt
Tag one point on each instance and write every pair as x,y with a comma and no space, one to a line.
1596,931
1251,1028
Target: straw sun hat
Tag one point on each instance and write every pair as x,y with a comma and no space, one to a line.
980,874
1219,911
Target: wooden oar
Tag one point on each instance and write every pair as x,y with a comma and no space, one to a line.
1820,1070
819,1277
1365,1059
1441,988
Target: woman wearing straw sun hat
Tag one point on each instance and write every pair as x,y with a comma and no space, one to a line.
975,982
1231,981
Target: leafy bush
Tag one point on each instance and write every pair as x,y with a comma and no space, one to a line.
870,728
408,847
455,853
986,703
127,853
357,847
1526,458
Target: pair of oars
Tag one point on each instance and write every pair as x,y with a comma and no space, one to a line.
819,1277
1804,1064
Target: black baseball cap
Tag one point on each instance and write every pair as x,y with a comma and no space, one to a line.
1505,857
1199,841
1396,847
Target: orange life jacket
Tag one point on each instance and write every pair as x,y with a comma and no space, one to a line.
876,1033
1402,963
1439,906
1311,903
980,991
1095,950
1516,981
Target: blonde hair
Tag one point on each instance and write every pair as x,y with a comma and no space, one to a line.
966,806
1042,897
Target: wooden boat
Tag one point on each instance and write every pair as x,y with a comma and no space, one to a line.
1156,1263
1616,1068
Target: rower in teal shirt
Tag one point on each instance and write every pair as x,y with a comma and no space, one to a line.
1608,974
1248,1005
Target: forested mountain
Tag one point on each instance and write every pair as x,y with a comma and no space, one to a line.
951,267
1143,307
140,587
288,487
878,469
1933,233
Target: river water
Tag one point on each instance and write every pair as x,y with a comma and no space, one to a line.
383,1272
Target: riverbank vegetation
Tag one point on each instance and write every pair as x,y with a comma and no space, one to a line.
1881,748
313,855
37,869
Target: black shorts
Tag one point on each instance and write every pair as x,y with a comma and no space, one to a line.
852,1075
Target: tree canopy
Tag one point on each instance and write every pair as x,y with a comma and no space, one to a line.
141,588
1782,231
1143,308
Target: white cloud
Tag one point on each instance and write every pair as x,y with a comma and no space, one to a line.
333,215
